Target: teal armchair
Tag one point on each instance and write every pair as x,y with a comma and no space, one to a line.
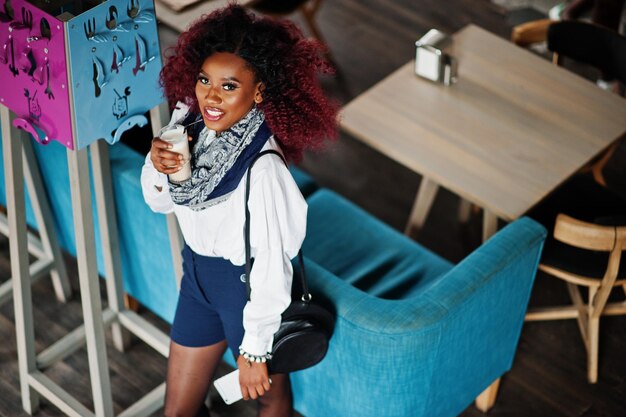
415,335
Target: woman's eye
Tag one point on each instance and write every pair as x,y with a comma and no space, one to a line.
203,80
229,86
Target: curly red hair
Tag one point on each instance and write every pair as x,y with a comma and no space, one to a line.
296,109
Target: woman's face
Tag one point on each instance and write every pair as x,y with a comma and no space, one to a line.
226,90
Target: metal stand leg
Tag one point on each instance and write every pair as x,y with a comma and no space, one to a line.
46,248
78,163
157,115
16,208
127,320
43,214
110,239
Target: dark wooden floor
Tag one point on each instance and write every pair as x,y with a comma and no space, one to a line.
369,39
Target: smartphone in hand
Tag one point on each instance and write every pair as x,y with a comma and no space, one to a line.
229,388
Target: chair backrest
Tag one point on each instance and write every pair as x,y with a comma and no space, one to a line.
585,235
589,43
590,236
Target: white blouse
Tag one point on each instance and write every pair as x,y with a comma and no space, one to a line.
277,229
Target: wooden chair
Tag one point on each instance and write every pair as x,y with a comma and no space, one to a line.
591,44
589,255
584,42
529,33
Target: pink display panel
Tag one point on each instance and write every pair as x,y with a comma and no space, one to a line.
33,71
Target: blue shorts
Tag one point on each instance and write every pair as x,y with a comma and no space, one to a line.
211,301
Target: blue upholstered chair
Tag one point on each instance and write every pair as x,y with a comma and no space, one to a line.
415,335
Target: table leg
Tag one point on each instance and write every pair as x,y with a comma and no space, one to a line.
465,210
423,202
490,224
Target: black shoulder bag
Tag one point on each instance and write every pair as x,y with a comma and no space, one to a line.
306,327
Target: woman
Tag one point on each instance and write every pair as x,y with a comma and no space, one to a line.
252,82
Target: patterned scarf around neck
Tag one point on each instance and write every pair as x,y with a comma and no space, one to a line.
219,163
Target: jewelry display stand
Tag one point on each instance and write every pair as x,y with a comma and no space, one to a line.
32,366
93,64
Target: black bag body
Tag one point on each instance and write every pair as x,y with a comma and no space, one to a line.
302,338
306,327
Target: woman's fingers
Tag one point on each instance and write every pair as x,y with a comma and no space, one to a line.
249,393
253,378
171,161
160,144
244,392
163,159
168,155
252,392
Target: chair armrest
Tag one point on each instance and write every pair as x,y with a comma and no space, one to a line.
448,292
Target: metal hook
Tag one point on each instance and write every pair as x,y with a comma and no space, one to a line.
27,18
132,10
26,23
48,90
8,14
111,21
90,28
44,28
12,66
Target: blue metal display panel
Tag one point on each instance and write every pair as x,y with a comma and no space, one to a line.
115,62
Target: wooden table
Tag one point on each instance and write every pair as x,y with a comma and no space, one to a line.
503,137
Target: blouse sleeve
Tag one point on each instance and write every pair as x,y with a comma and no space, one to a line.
278,226
155,188
153,180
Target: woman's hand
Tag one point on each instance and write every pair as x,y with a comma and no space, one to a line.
253,378
163,159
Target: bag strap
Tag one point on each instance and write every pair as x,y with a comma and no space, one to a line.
306,295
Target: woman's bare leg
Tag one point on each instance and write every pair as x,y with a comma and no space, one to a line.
277,401
189,375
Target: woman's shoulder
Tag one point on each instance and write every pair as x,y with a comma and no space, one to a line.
270,172
271,163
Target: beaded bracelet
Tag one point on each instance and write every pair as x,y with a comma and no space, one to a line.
254,358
